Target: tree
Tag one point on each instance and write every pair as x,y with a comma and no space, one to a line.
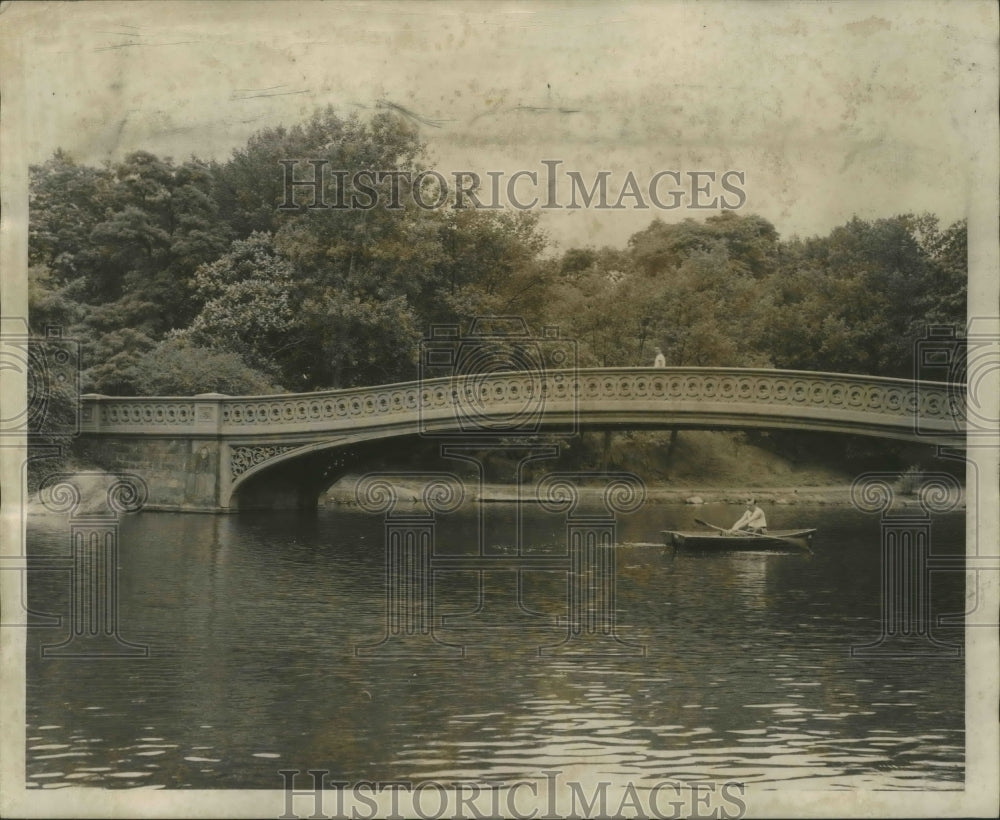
610,313
945,293
858,299
163,223
709,280
315,297
119,364
175,367
487,264
65,201
750,241
251,190
360,340
122,243
248,304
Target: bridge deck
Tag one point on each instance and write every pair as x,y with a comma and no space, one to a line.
559,400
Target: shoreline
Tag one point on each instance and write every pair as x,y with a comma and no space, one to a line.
343,494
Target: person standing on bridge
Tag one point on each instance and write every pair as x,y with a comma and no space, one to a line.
753,520
659,361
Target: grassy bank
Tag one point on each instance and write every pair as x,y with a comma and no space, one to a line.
343,493
693,467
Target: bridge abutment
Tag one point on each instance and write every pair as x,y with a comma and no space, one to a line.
180,473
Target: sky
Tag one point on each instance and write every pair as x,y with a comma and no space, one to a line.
829,109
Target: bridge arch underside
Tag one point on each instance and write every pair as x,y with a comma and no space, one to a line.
299,473
296,477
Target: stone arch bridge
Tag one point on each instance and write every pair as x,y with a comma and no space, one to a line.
217,453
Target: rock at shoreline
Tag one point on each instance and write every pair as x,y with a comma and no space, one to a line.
694,499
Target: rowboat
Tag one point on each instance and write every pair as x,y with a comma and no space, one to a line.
727,542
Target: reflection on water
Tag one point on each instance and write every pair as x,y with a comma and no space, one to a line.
252,622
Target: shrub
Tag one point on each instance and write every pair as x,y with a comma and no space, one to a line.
176,367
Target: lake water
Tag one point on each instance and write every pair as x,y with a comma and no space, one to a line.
252,622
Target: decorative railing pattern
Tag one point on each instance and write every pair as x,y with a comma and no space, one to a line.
934,405
243,458
169,412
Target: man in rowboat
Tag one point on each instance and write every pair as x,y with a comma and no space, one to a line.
753,520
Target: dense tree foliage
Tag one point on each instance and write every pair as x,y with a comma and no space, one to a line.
728,292
193,277
146,253
858,299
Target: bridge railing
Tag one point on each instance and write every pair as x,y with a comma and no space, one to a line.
539,397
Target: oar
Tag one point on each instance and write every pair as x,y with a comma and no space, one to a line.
711,526
797,544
